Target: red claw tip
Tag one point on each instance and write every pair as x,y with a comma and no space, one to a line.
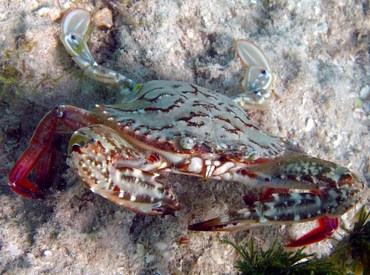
326,228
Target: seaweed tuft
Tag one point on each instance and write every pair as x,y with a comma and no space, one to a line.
353,252
278,261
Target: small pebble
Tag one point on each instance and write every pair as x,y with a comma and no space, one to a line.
14,250
53,14
358,103
121,270
364,92
310,124
34,5
149,258
140,249
217,258
103,18
43,11
161,246
323,27
47,253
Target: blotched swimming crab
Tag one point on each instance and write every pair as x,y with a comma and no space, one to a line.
161,127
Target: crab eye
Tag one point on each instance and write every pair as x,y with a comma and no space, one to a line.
77,142
76,147
259,78
258,93
187,143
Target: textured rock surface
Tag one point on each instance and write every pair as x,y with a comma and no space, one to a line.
317,50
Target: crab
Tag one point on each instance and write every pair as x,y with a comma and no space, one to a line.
258,79
122,151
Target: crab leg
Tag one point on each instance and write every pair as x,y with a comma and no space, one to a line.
39,153
258,79
327,188
279,209
75,26
113,168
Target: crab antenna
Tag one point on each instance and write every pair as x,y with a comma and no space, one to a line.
75,25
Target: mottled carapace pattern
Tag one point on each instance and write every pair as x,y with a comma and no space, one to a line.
165,112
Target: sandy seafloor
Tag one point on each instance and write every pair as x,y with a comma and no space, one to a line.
317,49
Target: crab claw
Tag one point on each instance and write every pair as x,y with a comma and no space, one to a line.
38,155
326,228
111,167
322,192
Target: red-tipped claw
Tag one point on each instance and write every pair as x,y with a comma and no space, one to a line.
326,228
37,156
